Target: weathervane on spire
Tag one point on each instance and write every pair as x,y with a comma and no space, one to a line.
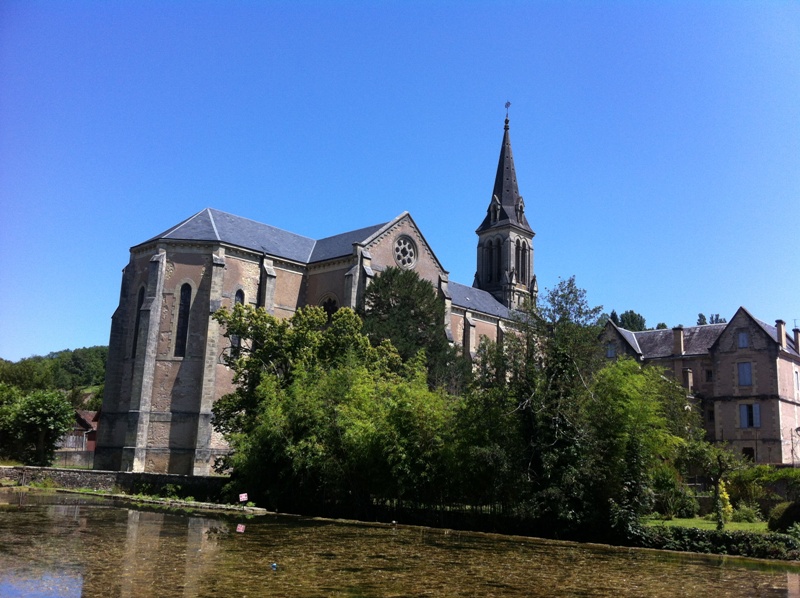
508,104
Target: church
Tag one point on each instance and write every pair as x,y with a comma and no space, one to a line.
165,368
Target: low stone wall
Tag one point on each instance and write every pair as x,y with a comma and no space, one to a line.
83,459
204,488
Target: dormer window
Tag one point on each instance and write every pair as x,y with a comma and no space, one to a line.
494,210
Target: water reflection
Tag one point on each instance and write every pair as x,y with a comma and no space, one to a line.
76,546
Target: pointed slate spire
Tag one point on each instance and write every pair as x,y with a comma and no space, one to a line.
507,206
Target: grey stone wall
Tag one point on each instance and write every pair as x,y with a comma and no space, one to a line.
202,488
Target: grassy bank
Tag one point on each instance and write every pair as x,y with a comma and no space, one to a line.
706,524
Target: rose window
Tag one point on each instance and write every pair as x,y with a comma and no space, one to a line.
405,252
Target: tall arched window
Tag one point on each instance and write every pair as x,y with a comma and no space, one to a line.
526,264
518,260
488,258
238,299
182,329
139,303
498,258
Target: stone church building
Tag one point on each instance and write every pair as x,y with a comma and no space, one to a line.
165,367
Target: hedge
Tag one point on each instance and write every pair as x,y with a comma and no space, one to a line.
739,543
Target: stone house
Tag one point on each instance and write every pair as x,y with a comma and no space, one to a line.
744,376
165,367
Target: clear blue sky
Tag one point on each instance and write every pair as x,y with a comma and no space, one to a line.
657,145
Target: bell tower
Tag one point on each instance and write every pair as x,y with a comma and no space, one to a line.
505,239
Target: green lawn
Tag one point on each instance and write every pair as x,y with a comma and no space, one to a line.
699,522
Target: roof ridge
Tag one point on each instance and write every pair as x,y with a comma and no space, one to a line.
257,222
213,224
178,226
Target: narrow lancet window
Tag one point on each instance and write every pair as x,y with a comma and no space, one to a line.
236,341
488,257
498,256
182,329
139,303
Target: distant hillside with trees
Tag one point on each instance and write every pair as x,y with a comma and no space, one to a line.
78,372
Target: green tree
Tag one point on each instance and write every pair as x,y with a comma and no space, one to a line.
715,463
63,370
632,321
32,423
701,319
404,309
661,326
321,417
489,444
549,364
638,420
614,317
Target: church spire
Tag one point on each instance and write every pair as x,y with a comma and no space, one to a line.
507,206
505,239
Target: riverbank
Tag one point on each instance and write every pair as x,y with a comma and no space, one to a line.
172,492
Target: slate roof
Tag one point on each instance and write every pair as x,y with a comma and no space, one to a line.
477,300
629,336
506,190
696,340
772,331
342,244
213,225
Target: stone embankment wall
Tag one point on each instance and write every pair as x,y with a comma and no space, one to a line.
205,488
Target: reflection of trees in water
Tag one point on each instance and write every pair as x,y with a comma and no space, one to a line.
122,552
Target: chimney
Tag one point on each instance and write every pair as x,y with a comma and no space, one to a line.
781,326
796,339
677,340
688,379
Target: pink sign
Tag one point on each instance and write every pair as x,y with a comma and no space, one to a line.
243,497
240,528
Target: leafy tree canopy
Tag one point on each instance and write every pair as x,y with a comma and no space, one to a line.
32,422
321,415
406,310
630,320
402,307
63,370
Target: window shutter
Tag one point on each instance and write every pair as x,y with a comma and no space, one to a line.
756,416
742,416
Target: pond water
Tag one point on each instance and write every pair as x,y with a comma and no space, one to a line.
73,545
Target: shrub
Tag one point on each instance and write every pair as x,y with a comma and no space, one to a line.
745,513
749,544
794,531
747,485
783,516
673,498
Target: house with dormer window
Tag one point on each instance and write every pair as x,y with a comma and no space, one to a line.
743,376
